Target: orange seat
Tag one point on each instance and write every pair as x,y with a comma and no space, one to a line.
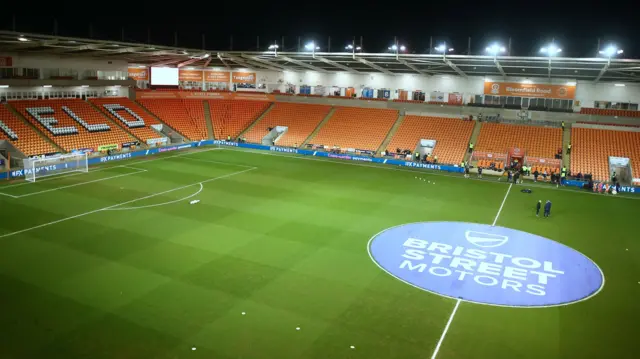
83,138
143,133
301,120
357,128
451,135
536,141
591,148
231,117
28,141
184,116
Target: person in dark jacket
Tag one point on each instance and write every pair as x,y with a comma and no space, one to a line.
547,209
538,205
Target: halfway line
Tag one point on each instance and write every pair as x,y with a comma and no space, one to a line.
446,329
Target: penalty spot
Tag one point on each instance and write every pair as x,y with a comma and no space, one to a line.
352,347
194,201
297,328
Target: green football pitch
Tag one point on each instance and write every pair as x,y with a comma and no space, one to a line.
273,263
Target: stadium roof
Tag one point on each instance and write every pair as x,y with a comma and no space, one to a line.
587,69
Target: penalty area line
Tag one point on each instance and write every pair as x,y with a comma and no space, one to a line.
458,301
124,203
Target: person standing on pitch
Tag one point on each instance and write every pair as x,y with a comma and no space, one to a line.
547,209
538,205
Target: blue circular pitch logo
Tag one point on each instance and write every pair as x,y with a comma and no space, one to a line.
487,265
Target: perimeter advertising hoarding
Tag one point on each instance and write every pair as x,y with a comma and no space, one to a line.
530,90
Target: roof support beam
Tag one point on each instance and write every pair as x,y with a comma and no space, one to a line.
188,62
499,67
206,63
455,68
165,62
267,62
222,60
249,63
374,66
338,65
602,72
31,44
414,68
303,64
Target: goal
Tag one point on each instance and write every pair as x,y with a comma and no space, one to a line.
35,168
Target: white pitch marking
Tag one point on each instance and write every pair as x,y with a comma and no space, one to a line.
122,204
60,176
211,161
8,195
80,184
158,204
446,329
502,205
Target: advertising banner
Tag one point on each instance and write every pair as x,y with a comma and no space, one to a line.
129,144
200,95
551,162
139,73
217,76
529,90
6,61
489,156
107,147
455,98
436,96
157,141
244,78
190,75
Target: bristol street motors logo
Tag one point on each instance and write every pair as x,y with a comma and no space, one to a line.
484,264
495,88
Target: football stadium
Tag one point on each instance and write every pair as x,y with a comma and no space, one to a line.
168,202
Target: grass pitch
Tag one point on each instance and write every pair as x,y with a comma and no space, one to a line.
117,264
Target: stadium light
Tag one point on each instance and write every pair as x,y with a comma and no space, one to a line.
551,50
495,49
22,38
312,47
611,51
352,48
274,48
397,48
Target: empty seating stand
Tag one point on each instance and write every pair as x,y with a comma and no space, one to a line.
536,141
231,117
357,128
185,116
71,123
591,148
21,135
609,112
130,116
301,120
451,135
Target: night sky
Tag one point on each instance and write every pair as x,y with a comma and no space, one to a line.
575,26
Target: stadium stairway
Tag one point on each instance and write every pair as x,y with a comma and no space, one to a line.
117,123
474,138
317,129
19,116
207,118
392,132
164,124
257,120
566,140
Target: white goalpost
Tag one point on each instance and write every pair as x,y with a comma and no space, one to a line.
35,168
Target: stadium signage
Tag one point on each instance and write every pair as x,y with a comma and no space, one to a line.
485,264
121,156
529,90
107,147
283,149
26,171
629,189
422,165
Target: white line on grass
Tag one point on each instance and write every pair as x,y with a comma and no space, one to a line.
8,195
455,309
218,162
502,205
54,177
81,183
446,329
123,203
158,204
431,173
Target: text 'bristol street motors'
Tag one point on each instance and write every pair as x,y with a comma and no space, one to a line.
485,264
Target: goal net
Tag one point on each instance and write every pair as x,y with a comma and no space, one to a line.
35,168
